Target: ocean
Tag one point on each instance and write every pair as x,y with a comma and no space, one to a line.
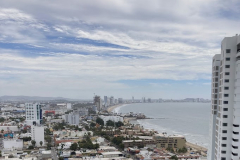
188,119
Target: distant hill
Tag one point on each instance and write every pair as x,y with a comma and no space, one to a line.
34,98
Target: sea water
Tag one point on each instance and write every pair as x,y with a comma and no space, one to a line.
188,119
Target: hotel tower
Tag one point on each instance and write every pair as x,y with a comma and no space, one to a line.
225,108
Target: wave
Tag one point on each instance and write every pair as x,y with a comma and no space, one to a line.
193,138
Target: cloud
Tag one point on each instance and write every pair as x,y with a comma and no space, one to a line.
83,45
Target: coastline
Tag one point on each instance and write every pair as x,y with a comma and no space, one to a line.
192,145
110,109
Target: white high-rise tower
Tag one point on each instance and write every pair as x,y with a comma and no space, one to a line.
225,116
33,113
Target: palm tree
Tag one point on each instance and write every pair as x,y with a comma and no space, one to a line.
33,143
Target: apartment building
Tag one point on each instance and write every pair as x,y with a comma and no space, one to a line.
225,115
33,113
171,141
37,134
72,118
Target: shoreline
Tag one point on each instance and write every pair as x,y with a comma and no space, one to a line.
110,109
188,144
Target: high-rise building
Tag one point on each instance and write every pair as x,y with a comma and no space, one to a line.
111,100
37,134
105,101
98,102
72,119
225,115
33,113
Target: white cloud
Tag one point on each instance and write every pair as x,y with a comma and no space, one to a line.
157,40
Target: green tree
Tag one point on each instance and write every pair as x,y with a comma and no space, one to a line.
47,131
74,146
33,143
41,143
119,124
2,131
48,139
110,123
92,124
174,157
10,156
30,147
49,146
2,119
100,121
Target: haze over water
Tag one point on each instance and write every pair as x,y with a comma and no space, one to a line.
188,119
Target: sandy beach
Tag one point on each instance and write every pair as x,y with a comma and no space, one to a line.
110,109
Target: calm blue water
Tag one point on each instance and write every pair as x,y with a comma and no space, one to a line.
188,119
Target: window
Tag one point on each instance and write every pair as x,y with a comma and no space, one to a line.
224,152
225,102
225,109
226,88
227,73
235,147
224,145
225,95
225,116
224,131
227,66
223,158
235,140
235,125
235,132
224,138
235,154
224,124
228,50
227,59
226,80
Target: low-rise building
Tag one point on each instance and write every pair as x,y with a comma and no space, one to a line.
12,143
172,141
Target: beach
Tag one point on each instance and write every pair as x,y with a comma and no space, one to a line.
170,117
110,109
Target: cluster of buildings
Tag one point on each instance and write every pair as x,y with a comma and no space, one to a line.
67,124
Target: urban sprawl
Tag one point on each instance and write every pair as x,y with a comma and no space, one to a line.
87,130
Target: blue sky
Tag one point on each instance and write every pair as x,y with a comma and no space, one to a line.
73,49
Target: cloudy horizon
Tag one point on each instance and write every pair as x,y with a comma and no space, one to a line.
75,49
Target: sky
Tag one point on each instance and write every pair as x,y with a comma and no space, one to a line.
120,48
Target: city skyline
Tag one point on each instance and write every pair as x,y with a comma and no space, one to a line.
75,48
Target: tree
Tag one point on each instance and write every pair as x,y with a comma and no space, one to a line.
174,157
47,131
74,146
41,143
33,142
48,139
49,146
30,147
2,131
100,121
119,124
2,119
92,124
10,156
110,123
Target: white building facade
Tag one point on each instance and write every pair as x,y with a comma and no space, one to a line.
33,113
12,143
72,119
37,134
225,116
